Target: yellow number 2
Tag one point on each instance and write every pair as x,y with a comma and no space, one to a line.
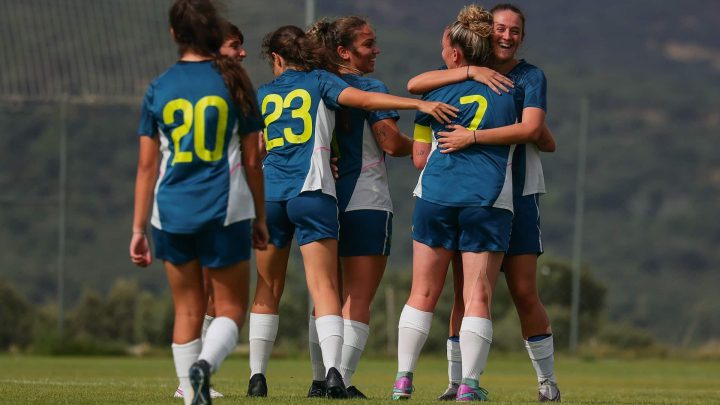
196,115
302,112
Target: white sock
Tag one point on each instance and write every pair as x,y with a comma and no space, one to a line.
262,334
184,355
219,342
475,338
316,358
330,336
206,324
354,340
542,356
454,361
413,330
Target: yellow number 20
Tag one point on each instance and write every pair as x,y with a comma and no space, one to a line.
302,112
196,115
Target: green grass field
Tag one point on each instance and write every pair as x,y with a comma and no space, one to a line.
509,378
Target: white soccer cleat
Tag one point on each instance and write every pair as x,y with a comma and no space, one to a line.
548,391
213,393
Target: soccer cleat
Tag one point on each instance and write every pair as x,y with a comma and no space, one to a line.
318,389
403,387
200,381
450,392
470,391
213,393
354,393
257,387
548,391
335,385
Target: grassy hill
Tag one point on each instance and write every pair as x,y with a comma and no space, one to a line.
650,70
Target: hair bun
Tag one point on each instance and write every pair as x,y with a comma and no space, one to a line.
476,19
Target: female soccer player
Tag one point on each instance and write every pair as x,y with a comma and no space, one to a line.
232,47
206,193
473,216
300,192
363,195
520,263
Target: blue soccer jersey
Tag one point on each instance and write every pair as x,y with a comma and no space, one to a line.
201,178
476,176
530,91
363,181
299,120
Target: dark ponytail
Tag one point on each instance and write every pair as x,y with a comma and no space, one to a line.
239,85
198,27
299,50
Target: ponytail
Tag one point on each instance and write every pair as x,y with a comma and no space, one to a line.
239,85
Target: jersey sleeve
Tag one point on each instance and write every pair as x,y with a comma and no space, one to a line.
330,88
422,133
375,116
535,90
148,126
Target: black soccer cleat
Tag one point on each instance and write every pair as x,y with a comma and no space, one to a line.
200,381
257,386
318,389
335,385
354,393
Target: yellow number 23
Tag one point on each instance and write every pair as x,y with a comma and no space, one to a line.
302,112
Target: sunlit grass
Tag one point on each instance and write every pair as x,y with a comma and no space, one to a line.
510,379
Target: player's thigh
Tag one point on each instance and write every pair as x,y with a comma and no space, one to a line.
361,276
230,286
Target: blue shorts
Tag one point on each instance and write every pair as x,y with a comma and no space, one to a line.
311,216
365,233
214,245
467,229
526,237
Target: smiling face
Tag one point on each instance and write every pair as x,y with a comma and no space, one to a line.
507,35
365,50
233,48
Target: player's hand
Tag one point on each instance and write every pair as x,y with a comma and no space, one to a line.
442,112
457,139
260,234
334,168
491,78
140,250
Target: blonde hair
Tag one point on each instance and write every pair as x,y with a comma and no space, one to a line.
471,33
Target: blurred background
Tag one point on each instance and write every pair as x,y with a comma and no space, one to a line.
641,79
